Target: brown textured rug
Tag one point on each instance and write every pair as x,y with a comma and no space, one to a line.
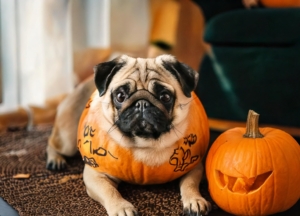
63,193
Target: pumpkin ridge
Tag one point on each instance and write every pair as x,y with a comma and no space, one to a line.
260,198
215,150
228,203
256,171
274,179
249,204
294,148
240,146
279,146
261,203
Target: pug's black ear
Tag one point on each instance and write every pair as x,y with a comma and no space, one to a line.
104,72
186,76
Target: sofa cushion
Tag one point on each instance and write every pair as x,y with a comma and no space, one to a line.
263,27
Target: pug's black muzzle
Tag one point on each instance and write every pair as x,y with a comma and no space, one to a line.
143,118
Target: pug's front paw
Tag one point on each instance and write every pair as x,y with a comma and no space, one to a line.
55,161
122,209
195,206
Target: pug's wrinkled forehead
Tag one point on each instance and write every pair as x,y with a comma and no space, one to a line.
140,73
141,69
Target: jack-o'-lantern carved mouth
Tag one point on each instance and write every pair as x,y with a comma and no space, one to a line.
242,184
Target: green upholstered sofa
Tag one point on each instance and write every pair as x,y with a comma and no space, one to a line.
255,64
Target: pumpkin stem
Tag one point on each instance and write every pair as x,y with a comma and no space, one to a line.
252,129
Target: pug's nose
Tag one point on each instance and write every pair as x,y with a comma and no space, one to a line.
141,105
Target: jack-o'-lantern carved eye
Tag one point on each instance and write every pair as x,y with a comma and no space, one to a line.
242,184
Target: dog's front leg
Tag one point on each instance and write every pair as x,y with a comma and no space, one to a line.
104,190
193,202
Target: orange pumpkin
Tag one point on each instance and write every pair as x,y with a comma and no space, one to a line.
280,3
105,155
254,171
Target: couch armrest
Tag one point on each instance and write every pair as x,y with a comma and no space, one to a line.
264,26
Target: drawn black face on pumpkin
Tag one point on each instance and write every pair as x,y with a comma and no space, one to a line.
242,185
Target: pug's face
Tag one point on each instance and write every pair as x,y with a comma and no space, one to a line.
145,98
143,113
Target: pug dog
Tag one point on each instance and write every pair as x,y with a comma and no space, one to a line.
143,125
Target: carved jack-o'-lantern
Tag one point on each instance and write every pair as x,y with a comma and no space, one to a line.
254,171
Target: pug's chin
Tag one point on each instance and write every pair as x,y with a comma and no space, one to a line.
145,133
143,128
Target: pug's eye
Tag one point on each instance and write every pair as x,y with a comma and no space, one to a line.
165,97
121,97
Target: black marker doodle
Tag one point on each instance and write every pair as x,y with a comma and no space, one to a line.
90,161
100,151
92,132
112,155
88,131
181,159
190,139
90,142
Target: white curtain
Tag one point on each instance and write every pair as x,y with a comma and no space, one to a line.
9,60
36,51
38,38
45,49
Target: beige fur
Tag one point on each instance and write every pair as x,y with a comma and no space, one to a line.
62,140
101,186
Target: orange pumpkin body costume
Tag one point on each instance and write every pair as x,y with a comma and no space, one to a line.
103,153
